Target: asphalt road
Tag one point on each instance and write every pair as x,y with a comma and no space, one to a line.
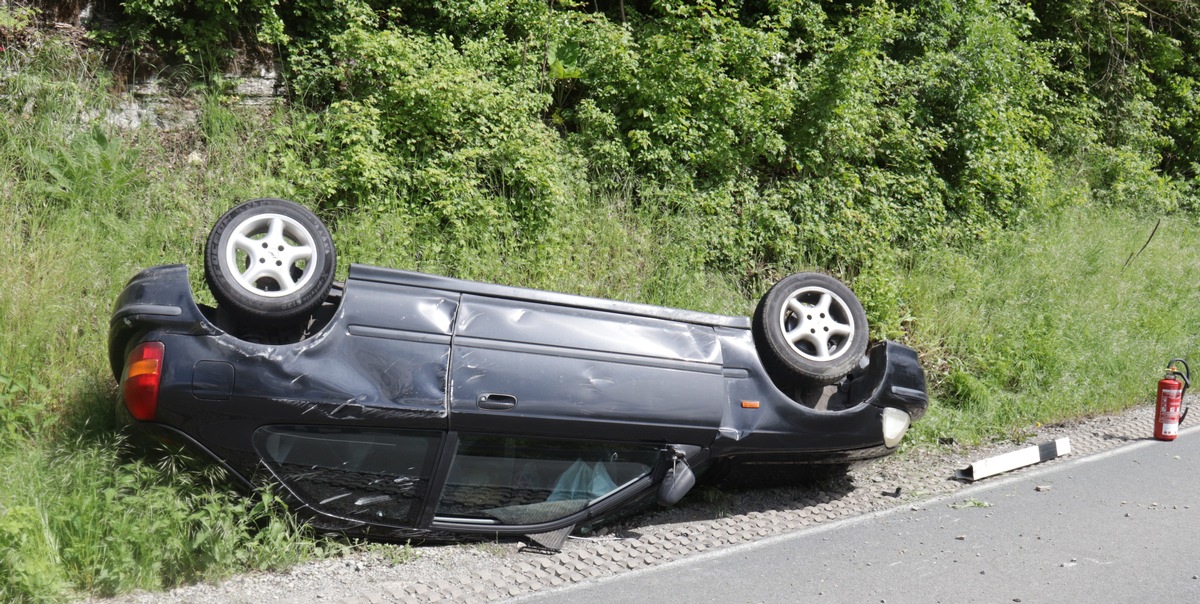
1120,526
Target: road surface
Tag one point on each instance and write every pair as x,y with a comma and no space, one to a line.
1120,526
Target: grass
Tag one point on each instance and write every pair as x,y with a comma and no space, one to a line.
83,207
1039,324
80,517
1047,323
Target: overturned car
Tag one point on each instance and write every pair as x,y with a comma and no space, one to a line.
401,404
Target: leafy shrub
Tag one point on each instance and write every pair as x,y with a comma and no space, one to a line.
198,32
779,135
423,127
1132,66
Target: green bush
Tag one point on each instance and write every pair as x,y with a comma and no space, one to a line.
780,135
422,127
1131,68
203,32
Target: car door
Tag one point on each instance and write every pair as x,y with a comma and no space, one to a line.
540,369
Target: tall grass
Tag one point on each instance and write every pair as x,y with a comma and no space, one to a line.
83,206
597,250
79,517
1048,323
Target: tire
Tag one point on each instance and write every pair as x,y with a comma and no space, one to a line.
270,260
809,328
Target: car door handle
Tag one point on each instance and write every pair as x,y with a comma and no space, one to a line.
496,402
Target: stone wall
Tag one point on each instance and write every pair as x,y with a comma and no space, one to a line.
155,99
151,102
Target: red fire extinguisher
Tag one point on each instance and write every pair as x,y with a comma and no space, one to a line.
1169,403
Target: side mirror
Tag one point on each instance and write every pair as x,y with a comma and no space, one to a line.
676,483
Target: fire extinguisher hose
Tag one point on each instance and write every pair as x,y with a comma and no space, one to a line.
1186,378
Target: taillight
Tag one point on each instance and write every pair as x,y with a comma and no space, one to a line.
139,385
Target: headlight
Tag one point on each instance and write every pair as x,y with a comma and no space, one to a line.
895,424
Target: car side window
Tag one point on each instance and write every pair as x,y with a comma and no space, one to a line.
523,481
379,476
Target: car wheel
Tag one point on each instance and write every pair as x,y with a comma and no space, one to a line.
809,327
270,260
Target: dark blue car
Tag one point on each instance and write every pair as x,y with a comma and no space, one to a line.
402,404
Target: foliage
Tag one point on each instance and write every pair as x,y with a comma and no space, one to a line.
787,136
198,32
782,135
1129,68
15,21
442,140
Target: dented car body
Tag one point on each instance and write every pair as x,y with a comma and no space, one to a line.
426,405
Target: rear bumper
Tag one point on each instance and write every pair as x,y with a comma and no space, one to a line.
848,426
156,298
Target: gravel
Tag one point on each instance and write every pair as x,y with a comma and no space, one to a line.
707,519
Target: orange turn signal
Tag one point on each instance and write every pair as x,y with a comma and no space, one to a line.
139,387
